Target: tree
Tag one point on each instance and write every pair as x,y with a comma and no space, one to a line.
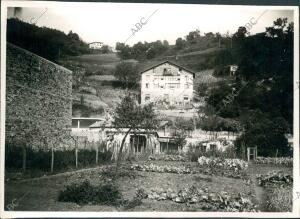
126,72
193,37
209,35
124,51
241,33
166,43
267,134
182,129
105,49
180,43
132,116
266,103
49,43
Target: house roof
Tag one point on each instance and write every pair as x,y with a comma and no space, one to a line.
163,123
87,118
94,42
101,124
171,63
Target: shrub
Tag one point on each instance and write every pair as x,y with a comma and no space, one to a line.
232,164
195,152
168,157
35,159
280,199
193,155
84,192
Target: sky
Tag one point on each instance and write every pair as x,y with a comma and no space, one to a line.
116,22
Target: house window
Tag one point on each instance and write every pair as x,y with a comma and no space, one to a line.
167,71
148,77
185,98
186,86
173,85
147,85
203,148
147,97
166,96
213,147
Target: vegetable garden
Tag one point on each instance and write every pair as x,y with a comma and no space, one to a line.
167,183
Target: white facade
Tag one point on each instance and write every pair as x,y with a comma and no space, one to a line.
168,83
95,45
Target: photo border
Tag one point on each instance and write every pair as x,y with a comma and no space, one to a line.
37,214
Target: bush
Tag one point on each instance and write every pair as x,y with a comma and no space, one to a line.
194,153
232,164
280,199
84,193
86,111
35,159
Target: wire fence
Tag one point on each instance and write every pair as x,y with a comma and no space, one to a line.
77,154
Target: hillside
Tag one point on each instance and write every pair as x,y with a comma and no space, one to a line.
49,43
96,89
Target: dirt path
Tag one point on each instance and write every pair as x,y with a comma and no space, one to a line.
63,174
259,192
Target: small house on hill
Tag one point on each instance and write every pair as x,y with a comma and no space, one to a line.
167,83
95,45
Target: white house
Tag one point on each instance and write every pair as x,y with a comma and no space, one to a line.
95,45
167,83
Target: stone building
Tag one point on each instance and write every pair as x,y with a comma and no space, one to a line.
38,100
167,83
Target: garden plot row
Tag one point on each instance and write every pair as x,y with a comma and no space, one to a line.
281,161
189,170
205,200
233,168
168,157
275,178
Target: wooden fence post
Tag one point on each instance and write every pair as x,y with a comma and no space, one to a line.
24,157
167,146
76,154
52,158
97,148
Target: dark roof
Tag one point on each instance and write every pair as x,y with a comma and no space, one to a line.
171,63
94,42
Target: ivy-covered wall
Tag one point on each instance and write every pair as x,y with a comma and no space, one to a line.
38,100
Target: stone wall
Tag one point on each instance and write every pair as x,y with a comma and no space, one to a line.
38,100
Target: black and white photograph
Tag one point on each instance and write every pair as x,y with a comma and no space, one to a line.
149,109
